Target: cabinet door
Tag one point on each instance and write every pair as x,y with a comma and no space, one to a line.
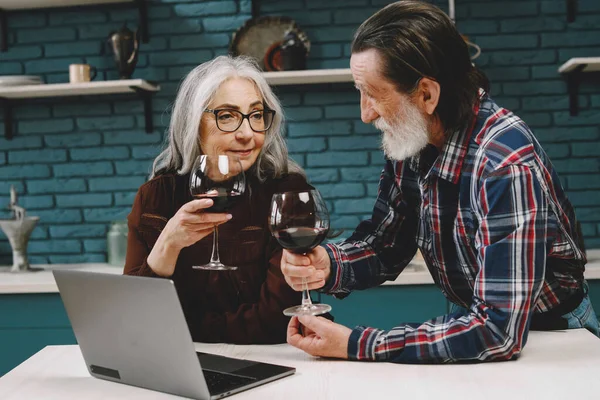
387,306
594,294
28,323
17,345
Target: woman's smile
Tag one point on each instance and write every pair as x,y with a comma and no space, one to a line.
241,153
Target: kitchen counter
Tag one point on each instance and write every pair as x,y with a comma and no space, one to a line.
43,282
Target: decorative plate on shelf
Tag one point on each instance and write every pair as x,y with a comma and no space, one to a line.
261,37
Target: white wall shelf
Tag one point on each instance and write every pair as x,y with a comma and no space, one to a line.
15,5
144,89
585,64
573,70
77,89
29,4
308,76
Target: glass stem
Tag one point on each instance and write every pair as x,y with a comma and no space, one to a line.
306,301
215,251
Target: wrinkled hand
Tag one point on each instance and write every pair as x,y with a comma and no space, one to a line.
314,266
321,337
189,225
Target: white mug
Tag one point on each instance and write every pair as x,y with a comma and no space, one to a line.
81,73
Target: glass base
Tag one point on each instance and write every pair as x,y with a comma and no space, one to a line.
310,309
215,266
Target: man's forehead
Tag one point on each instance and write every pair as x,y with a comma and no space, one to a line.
366,70
374,84
366,61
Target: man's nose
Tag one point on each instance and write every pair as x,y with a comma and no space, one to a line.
367,113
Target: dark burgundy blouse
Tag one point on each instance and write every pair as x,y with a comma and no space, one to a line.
241,306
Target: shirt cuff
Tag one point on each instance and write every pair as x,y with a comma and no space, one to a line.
363,343
144,270
335,276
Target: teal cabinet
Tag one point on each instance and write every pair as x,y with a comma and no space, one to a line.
594,293
387,306
28,323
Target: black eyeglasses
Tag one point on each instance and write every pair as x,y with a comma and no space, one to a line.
231,120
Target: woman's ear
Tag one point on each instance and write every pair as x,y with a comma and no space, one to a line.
428,95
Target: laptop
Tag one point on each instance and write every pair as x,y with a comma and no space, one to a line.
132,330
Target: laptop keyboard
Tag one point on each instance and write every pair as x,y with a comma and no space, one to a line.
219,382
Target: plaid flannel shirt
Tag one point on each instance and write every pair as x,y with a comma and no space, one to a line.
488,212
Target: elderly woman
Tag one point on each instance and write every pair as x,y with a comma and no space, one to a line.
169,231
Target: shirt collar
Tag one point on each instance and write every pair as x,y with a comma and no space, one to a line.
449,162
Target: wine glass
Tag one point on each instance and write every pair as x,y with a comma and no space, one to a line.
300,221
220,178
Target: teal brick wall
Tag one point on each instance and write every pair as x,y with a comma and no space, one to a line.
77,163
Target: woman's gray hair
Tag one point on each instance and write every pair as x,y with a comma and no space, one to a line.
182,145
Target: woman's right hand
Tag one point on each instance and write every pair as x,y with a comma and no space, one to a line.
189,225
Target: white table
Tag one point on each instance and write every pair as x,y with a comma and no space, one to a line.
554,365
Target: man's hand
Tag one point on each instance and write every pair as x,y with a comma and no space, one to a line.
321,336
315,267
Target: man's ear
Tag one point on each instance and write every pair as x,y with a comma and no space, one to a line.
428,95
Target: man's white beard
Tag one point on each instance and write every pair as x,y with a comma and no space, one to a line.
406,135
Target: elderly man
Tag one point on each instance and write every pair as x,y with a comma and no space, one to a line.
468,184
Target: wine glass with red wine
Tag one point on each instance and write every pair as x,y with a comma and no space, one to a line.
300,221
220,178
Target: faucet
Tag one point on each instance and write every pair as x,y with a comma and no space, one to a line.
18,230
18,212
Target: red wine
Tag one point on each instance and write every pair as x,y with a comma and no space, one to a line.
300,240
221,201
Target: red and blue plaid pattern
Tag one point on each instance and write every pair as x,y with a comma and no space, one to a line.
488,212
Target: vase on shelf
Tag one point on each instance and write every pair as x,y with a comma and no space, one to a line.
124,45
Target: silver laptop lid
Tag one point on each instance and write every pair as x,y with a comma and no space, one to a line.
147,343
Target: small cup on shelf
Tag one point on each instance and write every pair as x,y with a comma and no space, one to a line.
79,73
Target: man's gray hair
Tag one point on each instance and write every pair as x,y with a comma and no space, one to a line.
182,145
